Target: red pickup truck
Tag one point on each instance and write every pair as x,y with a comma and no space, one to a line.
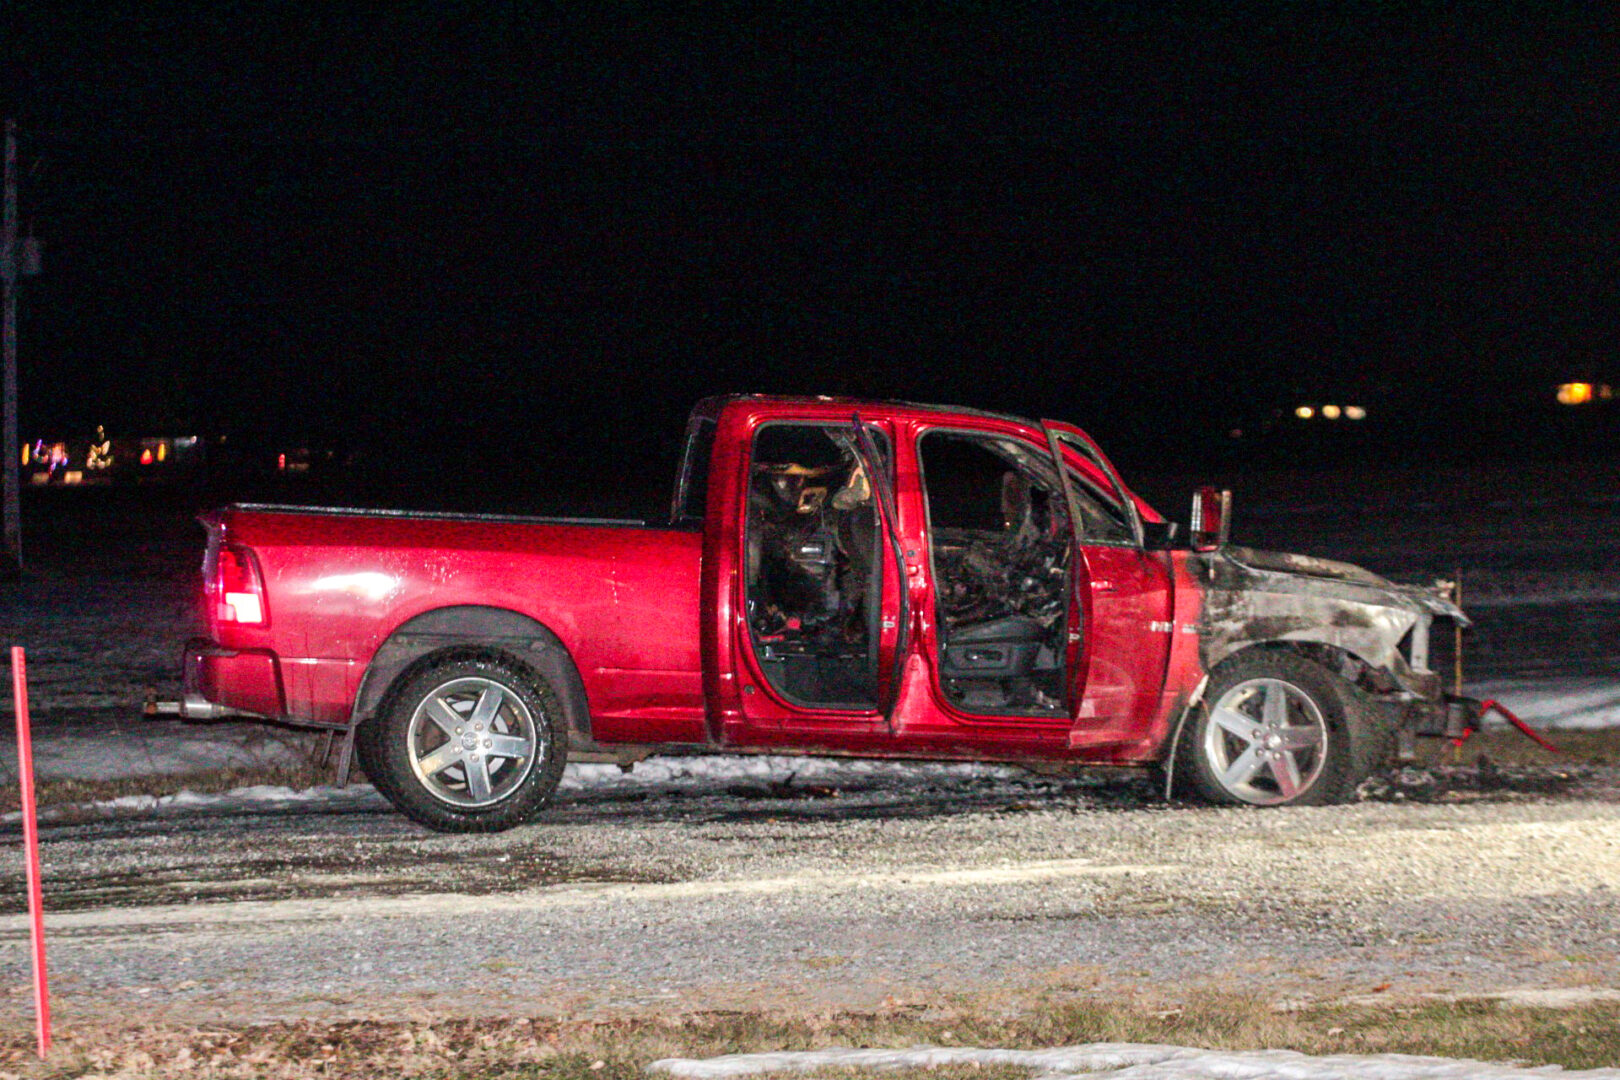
836,577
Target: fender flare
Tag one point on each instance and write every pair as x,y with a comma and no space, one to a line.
472,626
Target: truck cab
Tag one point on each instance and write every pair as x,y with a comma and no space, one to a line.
913,580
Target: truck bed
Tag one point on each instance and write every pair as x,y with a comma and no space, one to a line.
620,596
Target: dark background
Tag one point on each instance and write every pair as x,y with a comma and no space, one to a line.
490,253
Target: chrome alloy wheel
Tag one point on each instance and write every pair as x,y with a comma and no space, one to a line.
472,741
1266,742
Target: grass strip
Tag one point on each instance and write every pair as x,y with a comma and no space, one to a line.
1580,1037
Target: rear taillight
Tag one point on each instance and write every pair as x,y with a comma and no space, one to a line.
238,588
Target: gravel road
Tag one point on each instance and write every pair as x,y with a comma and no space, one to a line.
909,888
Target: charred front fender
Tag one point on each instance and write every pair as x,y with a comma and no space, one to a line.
1260,597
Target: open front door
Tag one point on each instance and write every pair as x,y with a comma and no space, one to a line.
1127,609
1003,633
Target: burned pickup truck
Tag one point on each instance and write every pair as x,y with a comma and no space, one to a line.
836,577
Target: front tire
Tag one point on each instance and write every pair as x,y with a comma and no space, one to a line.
467,743
1276,729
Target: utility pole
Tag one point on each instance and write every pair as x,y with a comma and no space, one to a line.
11,260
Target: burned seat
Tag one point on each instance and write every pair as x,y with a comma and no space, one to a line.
996,649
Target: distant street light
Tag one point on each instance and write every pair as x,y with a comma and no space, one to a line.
1581,393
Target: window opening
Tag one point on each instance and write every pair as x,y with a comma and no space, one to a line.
1106,514
1102,521
1000,544
813,575
692,489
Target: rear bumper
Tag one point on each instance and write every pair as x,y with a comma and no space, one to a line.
220,681
229,682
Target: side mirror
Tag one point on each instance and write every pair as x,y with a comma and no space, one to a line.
1211,518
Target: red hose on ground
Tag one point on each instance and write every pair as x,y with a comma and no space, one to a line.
1488,706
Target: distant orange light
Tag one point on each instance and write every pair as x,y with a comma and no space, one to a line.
146,457
1304,412
1575,393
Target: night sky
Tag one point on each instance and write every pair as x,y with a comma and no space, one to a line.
500,232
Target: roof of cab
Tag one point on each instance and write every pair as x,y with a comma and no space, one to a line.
718,401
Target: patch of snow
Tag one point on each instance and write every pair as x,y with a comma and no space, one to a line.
1127,1061
120,750
255,798
702,770
1554,703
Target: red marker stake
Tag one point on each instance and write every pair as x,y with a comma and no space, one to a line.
36,900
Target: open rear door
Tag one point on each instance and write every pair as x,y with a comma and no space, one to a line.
898,616
810,599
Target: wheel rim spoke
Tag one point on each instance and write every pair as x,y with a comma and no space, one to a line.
440,712
1286,770
1243,768
1235,723
489,703
477,776
508,746
440,759
1275,710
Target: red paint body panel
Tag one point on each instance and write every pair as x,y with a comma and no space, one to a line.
250,681
623,600
652,617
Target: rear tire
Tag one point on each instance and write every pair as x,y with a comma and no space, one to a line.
467,743
1276,729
